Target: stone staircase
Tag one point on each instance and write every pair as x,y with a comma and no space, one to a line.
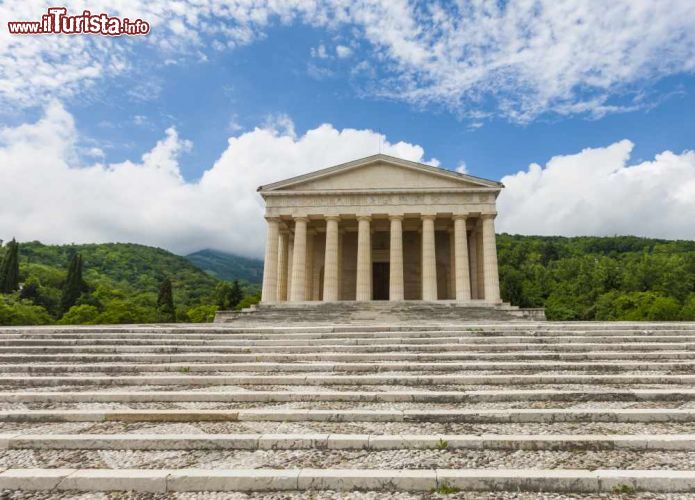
383,312
405,411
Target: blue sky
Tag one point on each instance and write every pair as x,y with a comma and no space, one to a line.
237,90
229,95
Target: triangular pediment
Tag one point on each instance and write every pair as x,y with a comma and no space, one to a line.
380,172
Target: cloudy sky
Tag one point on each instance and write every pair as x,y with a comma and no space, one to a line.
585,109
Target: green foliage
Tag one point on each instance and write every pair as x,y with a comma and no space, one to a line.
165,303
442,444
74,284
592,278
9,268
688,311
248,301
623,489
120,284
445,489
80,315
22,312
228,296
118,311
201,314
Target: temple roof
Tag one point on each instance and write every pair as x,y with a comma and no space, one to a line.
380,171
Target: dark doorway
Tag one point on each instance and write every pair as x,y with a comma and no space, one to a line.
380,281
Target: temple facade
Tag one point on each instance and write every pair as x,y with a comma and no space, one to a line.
381,228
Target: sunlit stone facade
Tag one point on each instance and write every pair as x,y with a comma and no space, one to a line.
381,228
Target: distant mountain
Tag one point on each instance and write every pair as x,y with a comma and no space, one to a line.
227,266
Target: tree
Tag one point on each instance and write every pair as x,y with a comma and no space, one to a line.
228,296
235,295
223,291
80,315
9,269
166,313
74,285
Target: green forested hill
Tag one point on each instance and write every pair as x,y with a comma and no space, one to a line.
592,278
123,281
125,266
228,266
582,278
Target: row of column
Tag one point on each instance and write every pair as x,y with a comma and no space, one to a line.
286,275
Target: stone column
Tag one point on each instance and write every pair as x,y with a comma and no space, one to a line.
309,272
473,256
364,260
270,263
396,259
299,260
429,263
341,237
451,284
330,266
492,280
283,241
463,279
290,259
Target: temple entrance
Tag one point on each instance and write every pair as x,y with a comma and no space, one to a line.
380,281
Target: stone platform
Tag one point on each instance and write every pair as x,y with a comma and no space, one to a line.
352,312
520,409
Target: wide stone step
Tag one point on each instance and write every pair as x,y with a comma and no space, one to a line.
555,366
609,326
349,357
607,394
287,415
304,338
338,348
423,480
682,442
417,380
441,338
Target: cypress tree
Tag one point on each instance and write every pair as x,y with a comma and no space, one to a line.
165,303
9,269
74,286
235,295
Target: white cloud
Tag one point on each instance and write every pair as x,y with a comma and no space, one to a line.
598,192
343,51
462,168
319,52
49,195
517,59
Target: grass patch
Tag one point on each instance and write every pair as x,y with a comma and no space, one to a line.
623,489
445,489
442,444
185,369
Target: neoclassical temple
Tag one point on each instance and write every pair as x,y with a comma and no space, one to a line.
381,228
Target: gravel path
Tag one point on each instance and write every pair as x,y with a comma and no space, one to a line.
387,459
336,405
377,428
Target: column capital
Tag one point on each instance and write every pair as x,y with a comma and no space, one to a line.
272,219
396,217
368,218
460,217
301,218
332,217
428,216
488,216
